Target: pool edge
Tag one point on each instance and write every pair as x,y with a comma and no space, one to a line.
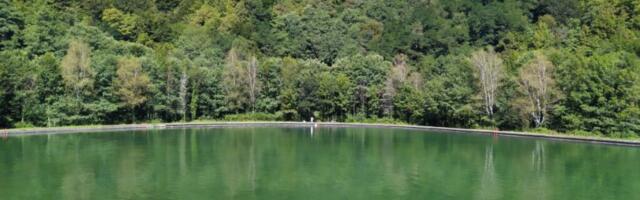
130,127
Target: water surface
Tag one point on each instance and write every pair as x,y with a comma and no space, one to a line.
294,163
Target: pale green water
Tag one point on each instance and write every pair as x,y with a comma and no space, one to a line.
290,163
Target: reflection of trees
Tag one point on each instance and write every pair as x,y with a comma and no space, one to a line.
538,185
537,158
78,183
132,178
489,187
252,162
182,152
274,163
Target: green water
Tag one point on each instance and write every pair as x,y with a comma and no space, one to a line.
292,163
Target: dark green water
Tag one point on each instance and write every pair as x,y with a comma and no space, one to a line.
291,163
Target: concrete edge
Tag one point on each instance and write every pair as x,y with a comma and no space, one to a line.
133,127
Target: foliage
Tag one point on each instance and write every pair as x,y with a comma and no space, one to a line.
374,120
252,117
458,63
24,125
538,83
76,68
11,21
132,83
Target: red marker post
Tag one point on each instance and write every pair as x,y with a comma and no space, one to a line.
495,135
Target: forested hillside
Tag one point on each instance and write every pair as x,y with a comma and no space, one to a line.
565,65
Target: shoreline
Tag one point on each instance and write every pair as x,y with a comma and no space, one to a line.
133,127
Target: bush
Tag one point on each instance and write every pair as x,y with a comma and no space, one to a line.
360,118
253,117
23,125
543,131
583,133
624,135
288,115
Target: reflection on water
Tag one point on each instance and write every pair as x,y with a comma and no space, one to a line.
311,163
538,185
489,186
537,157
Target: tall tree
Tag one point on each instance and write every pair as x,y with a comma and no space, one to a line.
133,83
368,73
538,83
489,71
395,80
182,91
11,22
76,68
125,25
240,77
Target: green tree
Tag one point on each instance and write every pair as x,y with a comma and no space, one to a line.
600,93
125,24
449,91
133,83
240,78
313,34
76,68
334,95
538,84
11,23
366,72
269,76
489,72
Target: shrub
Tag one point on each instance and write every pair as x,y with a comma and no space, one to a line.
253,117
23,125
583,133
543,130
360,118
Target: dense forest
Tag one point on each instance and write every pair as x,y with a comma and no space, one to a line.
564,65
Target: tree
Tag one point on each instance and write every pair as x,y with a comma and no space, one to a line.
562,10
288,96
489,71
489,22
269,76
399,77
17,88
126,25
312,34
46,29
410,104
241,80
182,94
51,83
27,90
538,83
133,83
366,73
449,91
395,79
306,84
65,62
253,82
601,93
76,68
5,121
334,95
10,24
